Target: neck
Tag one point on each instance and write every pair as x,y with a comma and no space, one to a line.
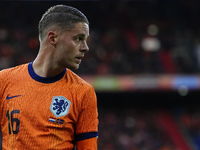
43,65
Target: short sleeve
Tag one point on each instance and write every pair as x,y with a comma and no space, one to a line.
1,86
87,125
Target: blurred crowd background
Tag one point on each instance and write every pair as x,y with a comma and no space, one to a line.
126,38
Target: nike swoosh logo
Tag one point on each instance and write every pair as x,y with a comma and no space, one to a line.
10,97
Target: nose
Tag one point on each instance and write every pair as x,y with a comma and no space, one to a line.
84,47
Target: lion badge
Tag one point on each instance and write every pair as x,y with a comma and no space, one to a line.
60,106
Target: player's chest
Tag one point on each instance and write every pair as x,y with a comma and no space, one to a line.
45,103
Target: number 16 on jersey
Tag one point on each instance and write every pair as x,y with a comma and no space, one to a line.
13,123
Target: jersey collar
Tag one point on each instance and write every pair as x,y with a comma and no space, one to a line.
43,79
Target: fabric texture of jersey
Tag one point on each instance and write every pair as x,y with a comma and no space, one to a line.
45,113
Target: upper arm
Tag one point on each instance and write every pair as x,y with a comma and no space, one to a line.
3,78
1,86
87,125
1,91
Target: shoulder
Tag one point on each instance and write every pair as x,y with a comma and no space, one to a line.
77,80
12,72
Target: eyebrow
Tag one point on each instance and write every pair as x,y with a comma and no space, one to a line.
82,35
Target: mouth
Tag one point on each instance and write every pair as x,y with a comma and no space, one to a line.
79,59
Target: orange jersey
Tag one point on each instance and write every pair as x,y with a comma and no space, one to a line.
46,113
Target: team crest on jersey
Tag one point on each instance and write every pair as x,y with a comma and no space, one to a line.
60,106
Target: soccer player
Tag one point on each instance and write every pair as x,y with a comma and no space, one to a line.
43,104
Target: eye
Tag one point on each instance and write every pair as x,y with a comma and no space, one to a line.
79,39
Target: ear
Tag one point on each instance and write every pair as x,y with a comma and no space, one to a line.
51,37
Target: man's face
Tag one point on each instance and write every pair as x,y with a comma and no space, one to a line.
71,46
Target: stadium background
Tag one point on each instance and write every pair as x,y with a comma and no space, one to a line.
144,63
